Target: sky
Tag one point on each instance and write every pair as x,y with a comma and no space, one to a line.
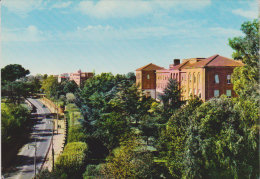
59,36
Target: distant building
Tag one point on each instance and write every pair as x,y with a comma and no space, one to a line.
63,77
203,77
79,77
146,78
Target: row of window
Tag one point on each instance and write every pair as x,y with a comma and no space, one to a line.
217,79
194,78
189,78
216,93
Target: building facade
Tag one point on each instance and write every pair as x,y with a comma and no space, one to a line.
79,77
202,77
63,77
146,78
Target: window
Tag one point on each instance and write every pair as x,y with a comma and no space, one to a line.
177,76
171,75
216,93
198,78
148,77
194,78
199,92
190,93
228,79
216,79
228,93
189,78
195,92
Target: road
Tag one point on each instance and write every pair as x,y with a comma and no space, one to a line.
42,132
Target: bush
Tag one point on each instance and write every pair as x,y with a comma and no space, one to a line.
76,134
92,171
72,160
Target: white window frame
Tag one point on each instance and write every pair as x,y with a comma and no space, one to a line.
228,79
216,93
216,78
228,92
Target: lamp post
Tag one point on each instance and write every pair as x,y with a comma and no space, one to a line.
52,145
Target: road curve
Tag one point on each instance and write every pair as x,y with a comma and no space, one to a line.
42,132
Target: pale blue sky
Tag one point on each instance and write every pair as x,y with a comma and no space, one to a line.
55,36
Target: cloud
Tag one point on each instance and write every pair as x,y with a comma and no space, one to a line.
115,9
225,32
61,5
22,7
251,12
29,34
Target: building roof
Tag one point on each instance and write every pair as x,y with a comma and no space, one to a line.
215,61
149,67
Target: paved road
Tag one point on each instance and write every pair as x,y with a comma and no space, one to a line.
42,132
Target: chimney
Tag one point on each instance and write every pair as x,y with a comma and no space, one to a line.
176,62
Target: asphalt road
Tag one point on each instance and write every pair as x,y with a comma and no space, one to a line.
42,132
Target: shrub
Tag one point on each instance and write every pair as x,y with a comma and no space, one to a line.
92,171
72,160
76,134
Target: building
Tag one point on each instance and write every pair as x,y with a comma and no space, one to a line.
203,77
79,77
146,78
63,77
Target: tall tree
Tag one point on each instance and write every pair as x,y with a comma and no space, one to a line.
171,98
222,141
13,72
246,78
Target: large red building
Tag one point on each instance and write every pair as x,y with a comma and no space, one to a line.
203,77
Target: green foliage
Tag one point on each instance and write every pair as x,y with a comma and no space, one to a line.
13,72
129,162
76,134
15,125
171,98
111,128
92,171
72,160
16,91
246,78
175,136
221,142
50,86
69,86
109,103
13,89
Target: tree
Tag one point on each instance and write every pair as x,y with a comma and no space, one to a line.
175,135
222,142
129,161
13,72
111,128
15,126
11,88
70,97
246,78
171,98
70,87
50,86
